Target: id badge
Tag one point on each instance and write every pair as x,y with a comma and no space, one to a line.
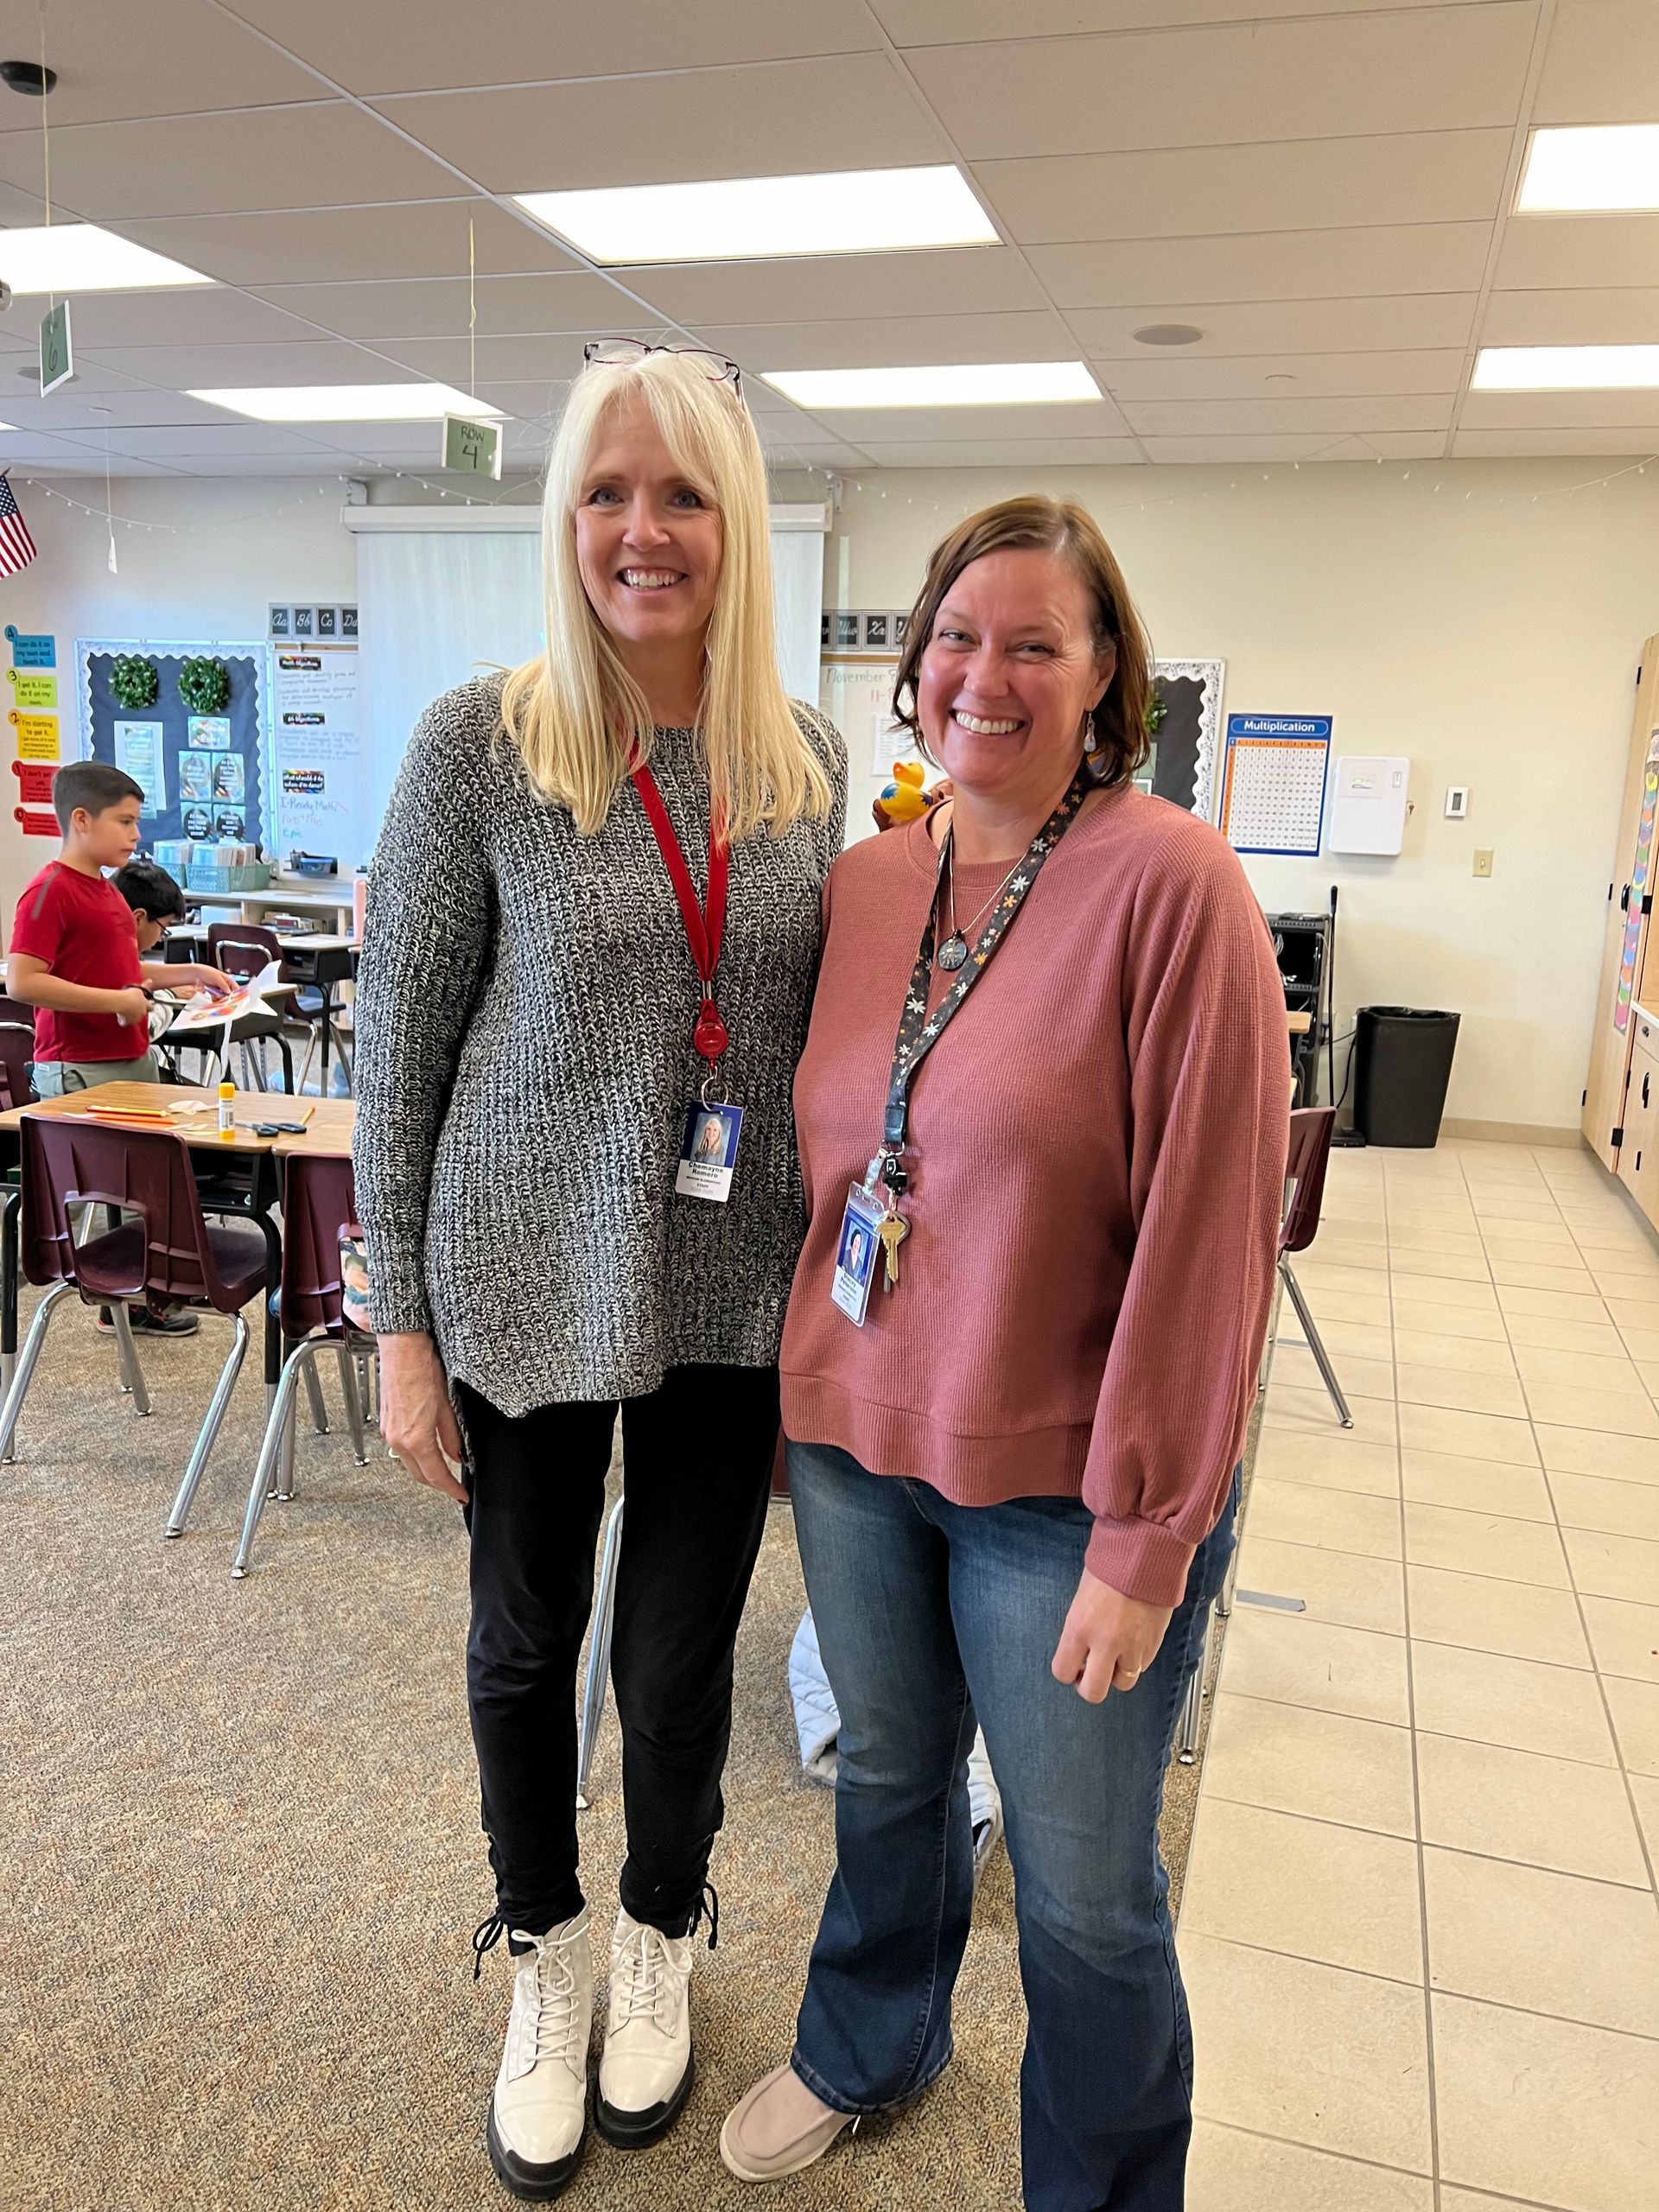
708,1153
856,1250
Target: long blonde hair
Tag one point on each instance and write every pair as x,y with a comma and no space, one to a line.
574,712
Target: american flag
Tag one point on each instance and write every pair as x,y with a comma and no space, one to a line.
16,546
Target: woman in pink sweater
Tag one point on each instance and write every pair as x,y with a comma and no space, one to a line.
1043,1122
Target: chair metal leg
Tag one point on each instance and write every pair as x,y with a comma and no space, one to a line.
1321,1358
348,1381
1186,1733
198,1461
313,1392
133,1374
599,1655
279,1426
28,1359
8,1368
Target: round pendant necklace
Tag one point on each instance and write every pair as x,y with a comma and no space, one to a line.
953,950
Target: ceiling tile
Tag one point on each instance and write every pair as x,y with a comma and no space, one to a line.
253,442
166,58
1428,322
1564,410
1425,177
1483,445
896,342
185,368
866,426
324,471
19,209
1574,318
90,466
352,244
948,22
500,361
309,156
1450,69
1602,64
1304,446
385,46
436,306
20,372
201,316
1562,252
1005,453
1312,376
1272,265
73,416
774,119
1168,418
976,280
19,447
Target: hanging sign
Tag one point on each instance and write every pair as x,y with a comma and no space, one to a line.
33,690
57,352
35,777
37,735
472,448
31,652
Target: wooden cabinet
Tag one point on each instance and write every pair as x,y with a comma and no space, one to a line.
1638,1155
1628,935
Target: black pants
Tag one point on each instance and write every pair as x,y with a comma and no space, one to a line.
698,1457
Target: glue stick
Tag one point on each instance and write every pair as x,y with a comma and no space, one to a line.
227,1108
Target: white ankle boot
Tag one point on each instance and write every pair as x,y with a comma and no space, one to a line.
538,2114
645,2075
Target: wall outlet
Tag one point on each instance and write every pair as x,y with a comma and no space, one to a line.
1483,862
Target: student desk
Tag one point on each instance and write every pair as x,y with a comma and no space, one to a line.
237,1175
311,960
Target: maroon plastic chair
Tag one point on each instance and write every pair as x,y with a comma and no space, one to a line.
16,1054
163,1252
1311,1131
318,1207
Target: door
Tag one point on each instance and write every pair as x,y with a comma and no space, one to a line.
1630,900
1638,1156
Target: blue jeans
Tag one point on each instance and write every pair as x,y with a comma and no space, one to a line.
929,1615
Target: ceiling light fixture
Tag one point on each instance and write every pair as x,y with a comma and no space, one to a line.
768,218
1566,368
1604,168
83,257
1168,334
348,403
968,384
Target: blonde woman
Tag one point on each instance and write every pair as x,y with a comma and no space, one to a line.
596,906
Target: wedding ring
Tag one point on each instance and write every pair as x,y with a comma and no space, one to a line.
1130,1674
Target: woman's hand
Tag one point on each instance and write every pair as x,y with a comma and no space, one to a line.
416,1418
935,797
1109,1640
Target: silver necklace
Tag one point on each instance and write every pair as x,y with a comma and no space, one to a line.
953,951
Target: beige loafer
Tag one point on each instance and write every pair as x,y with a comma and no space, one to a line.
802,2147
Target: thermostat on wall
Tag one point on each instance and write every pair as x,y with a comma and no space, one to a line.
1456,803
1367,804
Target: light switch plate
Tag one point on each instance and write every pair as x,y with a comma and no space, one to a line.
1483,862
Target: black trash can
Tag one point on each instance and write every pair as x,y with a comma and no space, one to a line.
1402,1064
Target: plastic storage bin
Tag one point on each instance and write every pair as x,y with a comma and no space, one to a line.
202,875
1402,1065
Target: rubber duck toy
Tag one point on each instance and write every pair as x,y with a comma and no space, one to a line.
904,799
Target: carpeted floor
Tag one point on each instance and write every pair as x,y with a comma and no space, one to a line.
243,1859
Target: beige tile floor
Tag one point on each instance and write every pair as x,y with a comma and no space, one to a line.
1420,1931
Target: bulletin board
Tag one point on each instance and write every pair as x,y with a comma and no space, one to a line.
203,776
1188,741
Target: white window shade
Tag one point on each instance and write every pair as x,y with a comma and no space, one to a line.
444,597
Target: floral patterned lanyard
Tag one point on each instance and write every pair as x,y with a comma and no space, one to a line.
919,1030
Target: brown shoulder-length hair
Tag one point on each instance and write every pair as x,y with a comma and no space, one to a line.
1055,526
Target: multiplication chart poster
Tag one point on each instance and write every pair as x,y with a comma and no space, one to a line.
1273,793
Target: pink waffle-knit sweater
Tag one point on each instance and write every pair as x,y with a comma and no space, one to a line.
1097,1155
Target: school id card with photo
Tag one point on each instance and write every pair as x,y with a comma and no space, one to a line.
708,1153
856,1254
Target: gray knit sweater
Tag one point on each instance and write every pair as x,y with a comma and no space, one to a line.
525,1013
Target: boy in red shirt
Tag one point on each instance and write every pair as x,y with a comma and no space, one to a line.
74,946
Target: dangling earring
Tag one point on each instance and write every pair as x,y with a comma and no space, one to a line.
1090,743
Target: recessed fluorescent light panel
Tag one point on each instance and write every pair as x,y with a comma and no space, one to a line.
349,403
1610,170
81,258
1566,368
970,384
766,218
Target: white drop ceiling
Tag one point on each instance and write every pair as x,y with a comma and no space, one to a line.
1323,187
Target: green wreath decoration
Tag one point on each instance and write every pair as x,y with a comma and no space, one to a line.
1157,708
204,685
134,681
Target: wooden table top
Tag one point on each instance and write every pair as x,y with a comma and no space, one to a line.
195,1114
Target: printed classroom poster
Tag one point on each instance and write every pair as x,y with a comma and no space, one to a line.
138,755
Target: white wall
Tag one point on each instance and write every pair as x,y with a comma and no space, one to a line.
1496,644
239,543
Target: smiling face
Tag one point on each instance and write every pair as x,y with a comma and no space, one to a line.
648,541
1012,666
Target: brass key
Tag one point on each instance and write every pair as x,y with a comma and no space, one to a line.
892,1228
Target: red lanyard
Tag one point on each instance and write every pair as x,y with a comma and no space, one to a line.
705,928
